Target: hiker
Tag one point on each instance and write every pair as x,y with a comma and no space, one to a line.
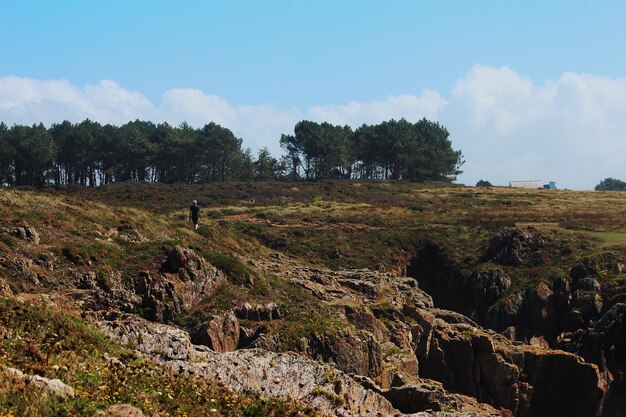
194,214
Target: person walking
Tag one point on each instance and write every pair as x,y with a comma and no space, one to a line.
194,214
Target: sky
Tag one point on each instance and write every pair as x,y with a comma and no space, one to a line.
527,89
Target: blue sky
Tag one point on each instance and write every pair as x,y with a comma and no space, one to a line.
480,67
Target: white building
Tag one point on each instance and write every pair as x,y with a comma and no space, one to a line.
534,184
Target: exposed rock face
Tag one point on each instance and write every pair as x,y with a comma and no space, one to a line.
526,380
485,288
474,295
160,300
222,334
514,246
363,318
279,375
293,377
186,280
362,286
428,396
563,313
352,352
604,344
157,340
258,312
52,387
451,348
440,276
197,278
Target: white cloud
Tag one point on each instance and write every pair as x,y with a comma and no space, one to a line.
25,100
393,107
571,129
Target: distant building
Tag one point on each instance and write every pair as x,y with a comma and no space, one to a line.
550,186
534,184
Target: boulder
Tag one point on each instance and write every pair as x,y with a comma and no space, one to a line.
583,269
27,233
50,387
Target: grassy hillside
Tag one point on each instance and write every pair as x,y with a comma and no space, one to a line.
127,228
373,224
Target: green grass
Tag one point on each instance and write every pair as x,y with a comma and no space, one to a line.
611,238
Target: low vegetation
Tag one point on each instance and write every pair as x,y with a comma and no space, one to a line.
38,339
130,227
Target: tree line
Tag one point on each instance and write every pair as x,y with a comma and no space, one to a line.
611,184
90,154
395,149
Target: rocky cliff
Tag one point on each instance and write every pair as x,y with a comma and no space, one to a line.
578,309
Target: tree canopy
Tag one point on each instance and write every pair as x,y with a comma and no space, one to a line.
396,149
90,154
611,184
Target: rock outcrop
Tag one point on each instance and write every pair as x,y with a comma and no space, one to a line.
222,334
355,352
157,340
451,348
526,380
281,375
185,280
27,233
604,344
50,387
193,277
258,312
562,311
514,246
